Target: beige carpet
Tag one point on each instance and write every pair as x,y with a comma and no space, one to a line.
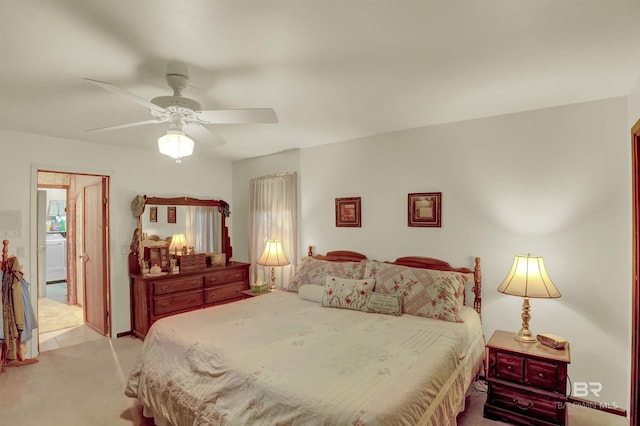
54,315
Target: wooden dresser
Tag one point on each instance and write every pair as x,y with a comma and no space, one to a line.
155,297
527,382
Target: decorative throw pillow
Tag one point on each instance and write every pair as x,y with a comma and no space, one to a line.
315,271
311,292
346,293
428,293
390,304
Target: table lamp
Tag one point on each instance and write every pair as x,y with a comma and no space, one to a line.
273,255
178,243
528,278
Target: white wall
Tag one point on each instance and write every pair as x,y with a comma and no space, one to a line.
554,182
633,104
132,172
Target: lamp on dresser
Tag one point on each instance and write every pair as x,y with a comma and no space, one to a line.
528,278
178,244
273,255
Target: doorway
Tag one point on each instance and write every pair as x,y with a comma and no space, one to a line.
73,258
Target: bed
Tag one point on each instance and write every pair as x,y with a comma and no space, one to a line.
297,357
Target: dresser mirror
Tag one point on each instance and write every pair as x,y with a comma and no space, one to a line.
201,221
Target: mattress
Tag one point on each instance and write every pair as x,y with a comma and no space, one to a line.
278,359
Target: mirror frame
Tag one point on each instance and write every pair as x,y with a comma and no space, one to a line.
135,255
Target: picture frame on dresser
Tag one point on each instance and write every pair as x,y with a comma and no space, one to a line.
424,209
348,212
158,256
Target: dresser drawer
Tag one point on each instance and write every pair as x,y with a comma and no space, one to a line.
224,292
510,367
527,403
542,375
221,277
178,284
177,302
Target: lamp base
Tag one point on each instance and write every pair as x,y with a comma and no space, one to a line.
273,279
524,338
525,335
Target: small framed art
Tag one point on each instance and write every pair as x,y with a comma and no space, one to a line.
153,214
171,215
425,209
348,212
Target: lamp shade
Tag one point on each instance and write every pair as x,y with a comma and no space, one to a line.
273,255
178,241
528,278
175,144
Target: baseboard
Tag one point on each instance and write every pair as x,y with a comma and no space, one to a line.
124,333
597,406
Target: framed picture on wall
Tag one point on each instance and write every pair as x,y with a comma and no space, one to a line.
425,209
348,212
171,214
153,214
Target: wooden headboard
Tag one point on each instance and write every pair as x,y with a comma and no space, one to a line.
414,262
338,256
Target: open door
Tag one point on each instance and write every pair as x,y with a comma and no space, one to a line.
95,258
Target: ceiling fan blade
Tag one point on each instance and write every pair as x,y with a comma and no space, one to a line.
110,87
124,126
238,116
199,133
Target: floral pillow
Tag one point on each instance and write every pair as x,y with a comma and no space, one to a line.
427,293
315,271
346,293
390,304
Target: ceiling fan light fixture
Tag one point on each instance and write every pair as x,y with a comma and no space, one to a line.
176,144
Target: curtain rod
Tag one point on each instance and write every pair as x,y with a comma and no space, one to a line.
275,175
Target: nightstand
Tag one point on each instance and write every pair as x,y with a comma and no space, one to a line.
527,382
250,293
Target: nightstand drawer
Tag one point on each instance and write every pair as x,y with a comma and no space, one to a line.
542,374
527,403
510,367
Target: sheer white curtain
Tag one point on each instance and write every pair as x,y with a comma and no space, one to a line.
203,223
273,215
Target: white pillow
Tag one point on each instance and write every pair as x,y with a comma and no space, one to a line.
311,292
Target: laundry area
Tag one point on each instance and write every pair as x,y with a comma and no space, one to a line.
56,257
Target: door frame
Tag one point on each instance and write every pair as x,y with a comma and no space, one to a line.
634,404
32,346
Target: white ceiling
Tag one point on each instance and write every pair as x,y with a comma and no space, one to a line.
333,70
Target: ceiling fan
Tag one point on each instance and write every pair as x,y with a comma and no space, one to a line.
185,116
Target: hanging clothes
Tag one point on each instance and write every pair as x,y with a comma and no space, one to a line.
18,317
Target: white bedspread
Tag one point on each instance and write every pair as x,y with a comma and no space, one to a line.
276,360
